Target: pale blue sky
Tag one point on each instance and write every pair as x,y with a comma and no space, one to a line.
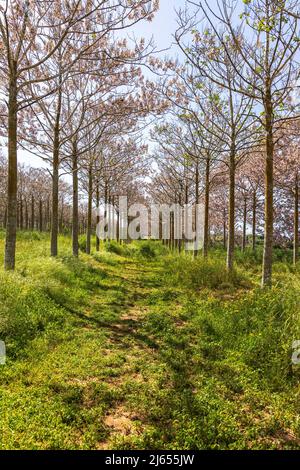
163,25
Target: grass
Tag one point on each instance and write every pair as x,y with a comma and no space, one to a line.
135,348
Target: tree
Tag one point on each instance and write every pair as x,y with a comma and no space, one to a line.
31,33
266,43
230,115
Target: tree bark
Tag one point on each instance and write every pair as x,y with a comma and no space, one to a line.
21,214
5,218
254,222
244,242
206,209
41,216
98,214
196,248
48,215
118,225
12,182
32,212
231,211
89,218
224,229
55,180
186,196
269,185
75,222
61,217
26,215
54,217
296,220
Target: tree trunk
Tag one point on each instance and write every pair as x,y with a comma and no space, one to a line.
118,225
196,248
21,214
186,196
12,182
224,231
206,209
172,231
48,215
254,222
296,221
98,214
18,214
244,242
109,216
32,212
180,222
269,177
5,218
54,217
26,215
231,212
55,177
61,217
75,222
41,216
89,220
106,209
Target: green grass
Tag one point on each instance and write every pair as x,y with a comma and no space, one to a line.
135,348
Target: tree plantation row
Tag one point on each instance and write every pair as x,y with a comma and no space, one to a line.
70,83
96,189
226,106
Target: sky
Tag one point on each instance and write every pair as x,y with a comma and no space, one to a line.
163,25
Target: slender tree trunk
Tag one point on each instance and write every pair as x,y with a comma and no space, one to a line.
12,181
26,215
224,229
32,212
206,209
106,210
186,241
254,222
160,230
75,222
5,217
54,217
18,214
244,242
98,214
55,178
109,216
114,227
61,218
41,216
180,221
196,248
118,225
296,220
21,214
172,231
89,219
231,212
269,184
48,215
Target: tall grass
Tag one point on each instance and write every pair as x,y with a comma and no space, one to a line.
201,273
